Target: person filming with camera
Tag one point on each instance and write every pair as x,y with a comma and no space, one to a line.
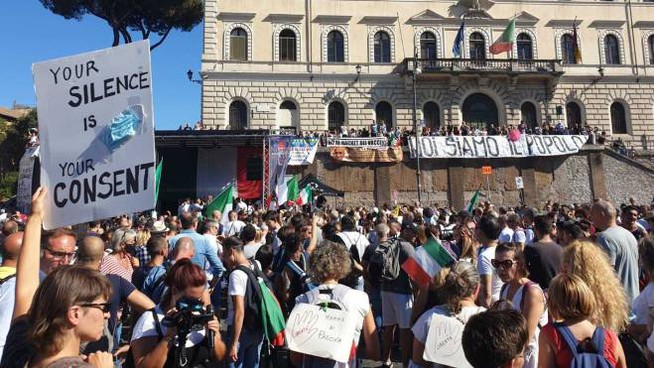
182,330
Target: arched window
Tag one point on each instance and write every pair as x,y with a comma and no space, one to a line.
432,115
528,112
572,114
238,115
382,47
427,46
288,115
567,49
335,48
618,119
480,110
612,49
525,47
238,44
477,46
650,43
287,46
384,114
335,116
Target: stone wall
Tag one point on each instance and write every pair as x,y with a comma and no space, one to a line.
564,179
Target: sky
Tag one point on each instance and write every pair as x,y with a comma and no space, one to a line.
31,33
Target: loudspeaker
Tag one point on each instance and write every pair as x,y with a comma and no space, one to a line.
254,168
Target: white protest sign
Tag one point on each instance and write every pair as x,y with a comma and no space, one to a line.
96,130
519,184
443,344
302,151
496,146
322,332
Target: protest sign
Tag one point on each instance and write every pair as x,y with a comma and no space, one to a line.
496,146
443,344
25,179
97,134
375,142
303,151
351,154
322,332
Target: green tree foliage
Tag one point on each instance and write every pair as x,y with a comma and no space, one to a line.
125,17
13,140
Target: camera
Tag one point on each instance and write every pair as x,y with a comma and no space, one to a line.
191,315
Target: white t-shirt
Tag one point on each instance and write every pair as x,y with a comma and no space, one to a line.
506,236
250,250
7,300
642,306
519,236
485,268
238,283
421,327
351,238
233,228
145,327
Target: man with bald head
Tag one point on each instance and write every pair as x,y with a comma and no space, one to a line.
90,253
619,244
153,286
10,249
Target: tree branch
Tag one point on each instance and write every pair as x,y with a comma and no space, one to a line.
161,40
116,37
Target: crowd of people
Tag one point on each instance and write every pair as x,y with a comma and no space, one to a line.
527,287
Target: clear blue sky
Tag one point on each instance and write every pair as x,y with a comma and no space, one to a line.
31,33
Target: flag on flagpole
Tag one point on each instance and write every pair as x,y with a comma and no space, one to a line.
427,261
157,180
456,49
575,44
223,203
473,201
506,40
288,191
306,195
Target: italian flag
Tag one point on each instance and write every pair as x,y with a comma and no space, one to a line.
223,203
289,191
505,42
272,317
427,261
157,180
306,196
473,201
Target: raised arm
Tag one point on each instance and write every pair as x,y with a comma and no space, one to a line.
27,268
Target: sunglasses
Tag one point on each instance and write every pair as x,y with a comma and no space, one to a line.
104,307
506,264
60,255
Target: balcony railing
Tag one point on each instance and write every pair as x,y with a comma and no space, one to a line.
552,67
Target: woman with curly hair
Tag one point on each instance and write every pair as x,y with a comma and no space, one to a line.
329,263
591,264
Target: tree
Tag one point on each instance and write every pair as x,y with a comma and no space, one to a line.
144,17
13,140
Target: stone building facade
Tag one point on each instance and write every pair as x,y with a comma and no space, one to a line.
319,64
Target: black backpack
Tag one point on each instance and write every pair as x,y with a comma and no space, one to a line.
385,260
252,299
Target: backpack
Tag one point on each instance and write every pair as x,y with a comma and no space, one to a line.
585,359
7,279
386,257
298,271
252,299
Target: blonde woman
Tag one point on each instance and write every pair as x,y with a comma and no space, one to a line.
591,264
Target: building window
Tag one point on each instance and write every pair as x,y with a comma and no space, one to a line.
238,115
477,46
335,116
238,44
567,49
382,47
335,48
427,46
528,112
573,114
432,115
612,49
288,115
384,114
525,47
650,43
287,46
618,119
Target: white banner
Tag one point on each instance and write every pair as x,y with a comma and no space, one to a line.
443,344
97,134
497,146
377,142
303,151
326,333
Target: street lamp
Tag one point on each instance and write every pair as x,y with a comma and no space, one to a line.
414,74
189,75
